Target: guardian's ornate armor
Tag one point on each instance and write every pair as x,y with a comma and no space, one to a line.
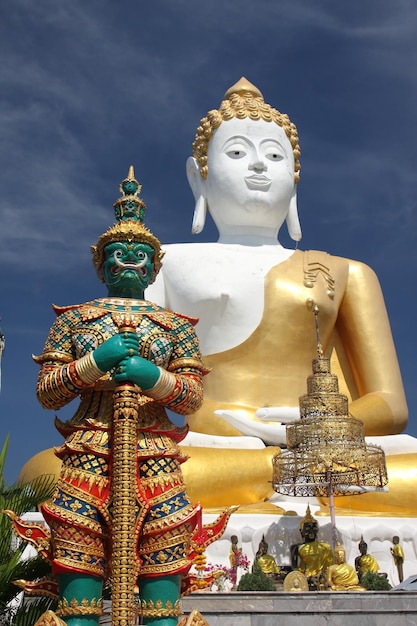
80,513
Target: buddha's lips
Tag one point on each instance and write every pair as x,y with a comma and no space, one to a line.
257,181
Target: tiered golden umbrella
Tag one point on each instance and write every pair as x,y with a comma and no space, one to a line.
326,452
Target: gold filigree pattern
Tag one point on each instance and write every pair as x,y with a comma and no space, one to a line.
165,339
70,517
85,607
327,452
49,618
175,478
132,509
74,548
79,476
124,503
157,609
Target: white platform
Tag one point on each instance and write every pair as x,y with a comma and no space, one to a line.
281,531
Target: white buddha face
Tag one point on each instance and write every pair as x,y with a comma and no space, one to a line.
250,178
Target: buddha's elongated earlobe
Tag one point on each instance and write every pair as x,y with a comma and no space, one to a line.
197,186
293,223
199,218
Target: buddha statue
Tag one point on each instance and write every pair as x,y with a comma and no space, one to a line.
235,555
365,562
341,576
266,561
314,556
398,556
250,293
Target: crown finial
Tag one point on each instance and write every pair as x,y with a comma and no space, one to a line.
308,518
130,206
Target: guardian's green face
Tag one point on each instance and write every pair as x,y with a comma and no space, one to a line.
128,268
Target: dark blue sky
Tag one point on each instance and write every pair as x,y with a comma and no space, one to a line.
87,88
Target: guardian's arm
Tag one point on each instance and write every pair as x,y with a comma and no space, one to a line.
63,376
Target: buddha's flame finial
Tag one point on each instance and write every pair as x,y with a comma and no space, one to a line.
243,86
308,518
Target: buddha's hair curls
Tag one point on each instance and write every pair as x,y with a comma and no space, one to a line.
243,100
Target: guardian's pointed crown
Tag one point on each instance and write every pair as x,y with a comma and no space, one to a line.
129,211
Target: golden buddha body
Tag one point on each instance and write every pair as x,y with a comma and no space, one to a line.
341,576
250,294
365,562
398,556
314,556
266,561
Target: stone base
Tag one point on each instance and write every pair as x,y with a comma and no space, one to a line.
372,608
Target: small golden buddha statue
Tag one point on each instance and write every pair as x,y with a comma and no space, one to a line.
314,556
365,562
341,576
266,561
398,555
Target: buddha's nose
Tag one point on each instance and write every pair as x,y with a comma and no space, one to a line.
258,165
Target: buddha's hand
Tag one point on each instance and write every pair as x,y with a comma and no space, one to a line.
273,434
281,414
136,369
113,351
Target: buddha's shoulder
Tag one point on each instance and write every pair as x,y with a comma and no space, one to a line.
183,255
194,250
352,266
191,250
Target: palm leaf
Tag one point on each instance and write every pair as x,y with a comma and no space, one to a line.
20,498
3,454
29,612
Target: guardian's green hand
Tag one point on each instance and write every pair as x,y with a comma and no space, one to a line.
115,350
137,370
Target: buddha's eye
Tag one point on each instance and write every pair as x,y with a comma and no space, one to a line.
236,153
274,156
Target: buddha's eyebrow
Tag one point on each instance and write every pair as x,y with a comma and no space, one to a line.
249,142
237,138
